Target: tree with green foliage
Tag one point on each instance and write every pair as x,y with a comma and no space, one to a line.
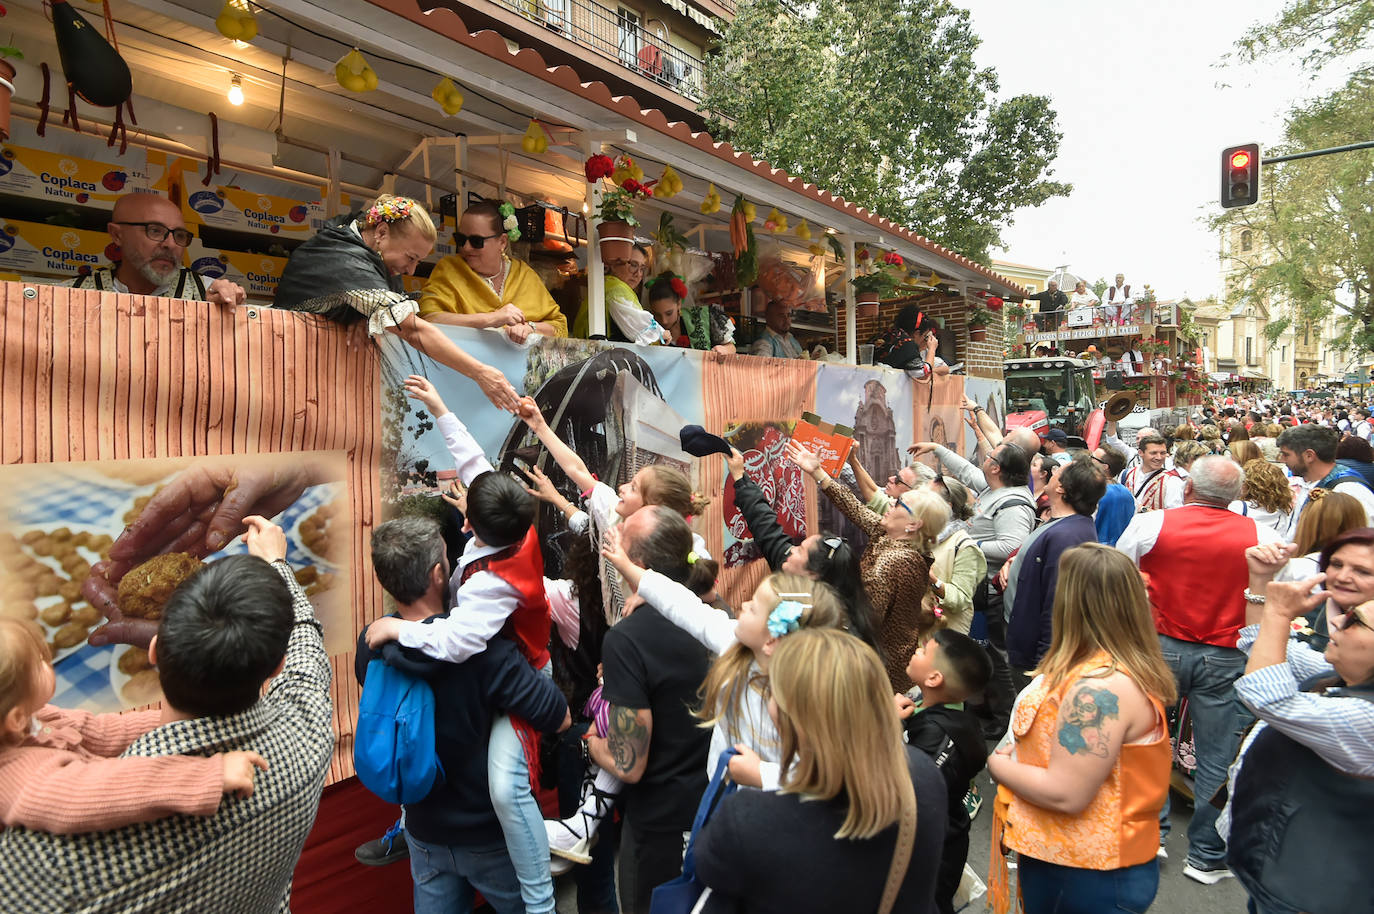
880,102
1312,233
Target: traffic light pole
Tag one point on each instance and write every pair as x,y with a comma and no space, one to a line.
1267,160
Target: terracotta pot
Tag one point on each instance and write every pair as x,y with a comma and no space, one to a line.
617,240
6,90
977,334
866,304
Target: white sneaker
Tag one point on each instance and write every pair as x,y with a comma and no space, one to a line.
566,843
558,866
1206,875
1162,853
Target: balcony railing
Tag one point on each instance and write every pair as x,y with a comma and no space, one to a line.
617,37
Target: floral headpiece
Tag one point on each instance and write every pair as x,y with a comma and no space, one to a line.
393,210
679,287
786,616
509,223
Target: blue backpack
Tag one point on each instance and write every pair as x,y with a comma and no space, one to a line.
393,743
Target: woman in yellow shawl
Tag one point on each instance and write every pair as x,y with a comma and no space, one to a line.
484,287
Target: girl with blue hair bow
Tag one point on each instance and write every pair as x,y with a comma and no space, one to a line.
735,694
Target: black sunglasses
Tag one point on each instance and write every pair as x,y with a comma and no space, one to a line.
156,231
477,241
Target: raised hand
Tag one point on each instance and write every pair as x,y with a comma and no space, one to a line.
802,457
735,464
922,448
420,388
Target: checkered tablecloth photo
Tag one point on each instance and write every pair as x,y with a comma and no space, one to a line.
98,505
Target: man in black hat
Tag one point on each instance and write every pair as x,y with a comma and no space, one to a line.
1057,445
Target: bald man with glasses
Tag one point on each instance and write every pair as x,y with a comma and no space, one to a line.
152,239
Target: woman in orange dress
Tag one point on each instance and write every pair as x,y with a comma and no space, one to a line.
1085,769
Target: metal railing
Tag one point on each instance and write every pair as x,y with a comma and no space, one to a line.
1100,316
615,36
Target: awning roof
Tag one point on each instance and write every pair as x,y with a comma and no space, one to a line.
667,141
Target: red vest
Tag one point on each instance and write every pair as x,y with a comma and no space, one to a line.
1197,576
522,567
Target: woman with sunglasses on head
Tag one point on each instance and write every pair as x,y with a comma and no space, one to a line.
895,566
483,286
958,567
1301,793
822,557
351,270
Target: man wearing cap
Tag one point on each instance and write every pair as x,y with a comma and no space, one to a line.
1057,446
152,239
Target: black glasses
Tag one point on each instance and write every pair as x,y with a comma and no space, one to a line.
477,241
156,231
899,481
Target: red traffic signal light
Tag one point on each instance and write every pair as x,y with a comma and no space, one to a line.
1240,175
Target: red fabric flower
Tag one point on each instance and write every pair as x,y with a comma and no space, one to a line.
679,287
892,258
864,254
630,185
598,167
994,303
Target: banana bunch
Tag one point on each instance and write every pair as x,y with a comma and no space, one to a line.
711,202
535,141
625,167
669,184
775,222
803,231
236,21
448,96
354,73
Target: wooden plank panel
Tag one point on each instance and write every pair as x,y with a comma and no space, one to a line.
42,395
129,398
61,378
11,447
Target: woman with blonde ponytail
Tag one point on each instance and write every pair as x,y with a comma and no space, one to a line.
860,817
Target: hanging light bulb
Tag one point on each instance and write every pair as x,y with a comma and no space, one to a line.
236,90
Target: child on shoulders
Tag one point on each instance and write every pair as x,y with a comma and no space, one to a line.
60,770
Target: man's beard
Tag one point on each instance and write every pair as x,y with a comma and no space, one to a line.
151,273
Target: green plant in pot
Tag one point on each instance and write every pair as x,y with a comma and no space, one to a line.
878,281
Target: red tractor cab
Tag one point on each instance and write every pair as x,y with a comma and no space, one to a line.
1054,392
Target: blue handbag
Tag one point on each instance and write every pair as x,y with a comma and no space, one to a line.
681,895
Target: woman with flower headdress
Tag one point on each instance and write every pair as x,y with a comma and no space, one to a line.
483,286
689,326
351,269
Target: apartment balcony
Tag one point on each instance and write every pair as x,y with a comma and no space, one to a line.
617,38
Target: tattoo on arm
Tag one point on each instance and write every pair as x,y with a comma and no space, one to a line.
1084,721
628,739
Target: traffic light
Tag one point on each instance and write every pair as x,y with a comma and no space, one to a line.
1240,175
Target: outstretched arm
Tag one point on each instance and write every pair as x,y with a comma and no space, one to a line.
430,340
867,487
564,456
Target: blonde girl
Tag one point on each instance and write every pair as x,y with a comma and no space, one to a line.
852,794
60,770
733,693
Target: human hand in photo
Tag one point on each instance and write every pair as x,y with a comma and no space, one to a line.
198,512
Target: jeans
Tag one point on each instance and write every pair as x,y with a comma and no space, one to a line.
445,876
1252,907
1048,888
522,822
1206,676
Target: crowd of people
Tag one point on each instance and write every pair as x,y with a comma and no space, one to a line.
1048,613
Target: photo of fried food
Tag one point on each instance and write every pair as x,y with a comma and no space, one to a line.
145,589
143,688
320,534
134,661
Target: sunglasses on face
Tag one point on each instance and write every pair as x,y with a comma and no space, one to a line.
477,241
897,480
1362,615
158,232
901,504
